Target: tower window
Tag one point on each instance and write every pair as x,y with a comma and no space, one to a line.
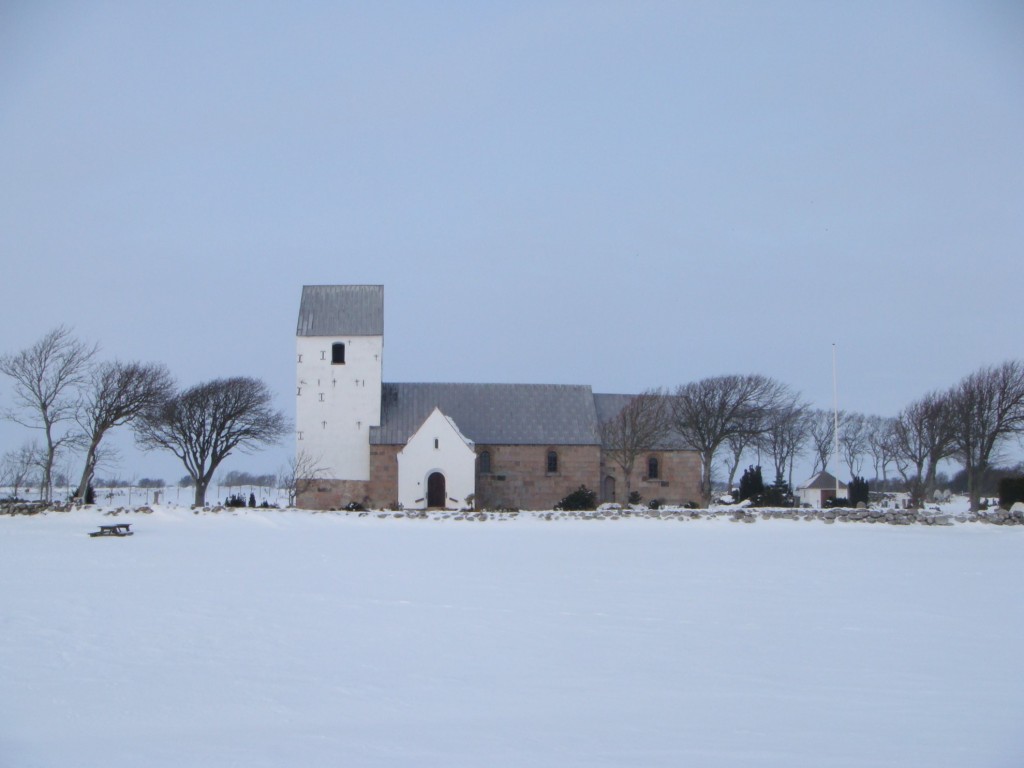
437,443
337,353
552,462
652,468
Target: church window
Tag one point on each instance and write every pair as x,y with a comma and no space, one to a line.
652,468
552,462
337,353
321,397
437,443
485,462
300,357
300,434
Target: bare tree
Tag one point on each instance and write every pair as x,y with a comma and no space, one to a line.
821,430
710,411
205,423
783,435
17,466
922,437
881,444
986,408
853,441
641,425
301,474
116,395
47,377
737,445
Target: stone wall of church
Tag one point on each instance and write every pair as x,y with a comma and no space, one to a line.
384,475
332,494
678,480
519,478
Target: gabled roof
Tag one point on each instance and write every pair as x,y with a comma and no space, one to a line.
445,419
494,414
341,310
609,406
823,481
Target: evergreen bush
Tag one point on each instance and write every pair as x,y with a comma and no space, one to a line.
778,494
858,491
751,484
580,499
1011,490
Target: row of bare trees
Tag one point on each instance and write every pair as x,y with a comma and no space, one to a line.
60,389
725,418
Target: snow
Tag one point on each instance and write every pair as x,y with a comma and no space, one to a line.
286,638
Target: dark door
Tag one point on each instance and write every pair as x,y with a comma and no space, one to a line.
609,488
436,492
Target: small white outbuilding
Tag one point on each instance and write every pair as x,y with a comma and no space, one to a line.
819,489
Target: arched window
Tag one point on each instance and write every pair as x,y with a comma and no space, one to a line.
485,462
552,462
652,468
337,353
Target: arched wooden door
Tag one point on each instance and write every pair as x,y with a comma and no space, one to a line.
437,494
609,488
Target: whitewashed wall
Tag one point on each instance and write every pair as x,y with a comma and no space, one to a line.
437,446
336,405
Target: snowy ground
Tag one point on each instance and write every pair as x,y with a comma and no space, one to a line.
263,638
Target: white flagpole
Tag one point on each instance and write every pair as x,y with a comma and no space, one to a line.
835,410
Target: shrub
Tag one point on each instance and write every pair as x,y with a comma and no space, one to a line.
252,499
580,499
654,504
1011,490
778,494
751,484
354,506
839,502
90,494
235,500
858,491
634,497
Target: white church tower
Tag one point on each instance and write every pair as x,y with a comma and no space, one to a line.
339,363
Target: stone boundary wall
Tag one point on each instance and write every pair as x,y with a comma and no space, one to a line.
607,512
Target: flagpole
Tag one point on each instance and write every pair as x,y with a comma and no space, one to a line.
835,411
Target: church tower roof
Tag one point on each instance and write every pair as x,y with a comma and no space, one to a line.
341,310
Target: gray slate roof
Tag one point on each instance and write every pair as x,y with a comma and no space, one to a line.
492,414
341,310
823,481
609,406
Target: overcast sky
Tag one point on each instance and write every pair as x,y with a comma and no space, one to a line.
622,194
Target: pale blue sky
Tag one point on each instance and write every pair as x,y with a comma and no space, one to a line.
625,195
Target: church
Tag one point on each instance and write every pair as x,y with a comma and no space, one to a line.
457,446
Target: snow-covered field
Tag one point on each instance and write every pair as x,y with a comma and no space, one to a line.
284,638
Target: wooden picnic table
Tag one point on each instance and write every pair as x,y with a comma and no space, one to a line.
120,529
